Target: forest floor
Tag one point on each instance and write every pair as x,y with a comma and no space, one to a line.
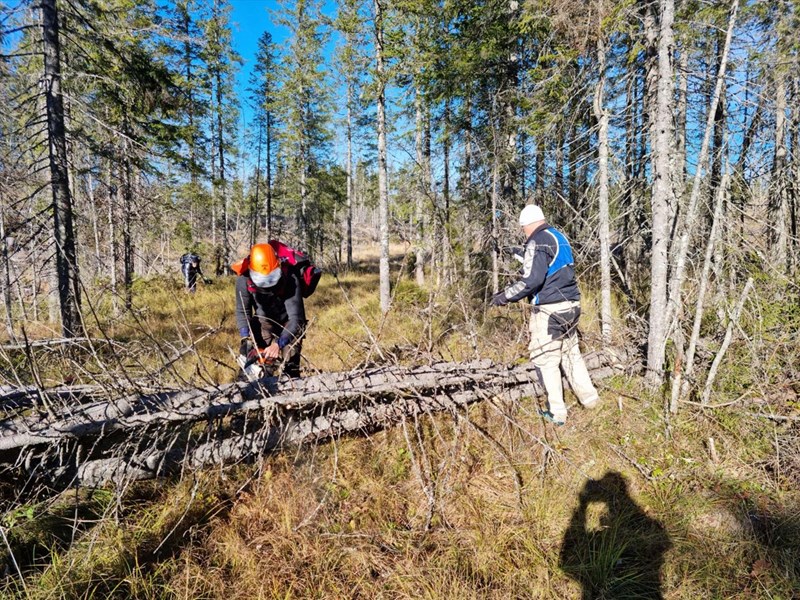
621,502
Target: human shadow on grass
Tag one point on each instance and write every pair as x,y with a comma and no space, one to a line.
622,557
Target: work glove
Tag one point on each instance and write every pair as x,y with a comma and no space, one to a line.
245,347
499,299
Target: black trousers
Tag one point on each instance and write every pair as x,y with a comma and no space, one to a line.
190,279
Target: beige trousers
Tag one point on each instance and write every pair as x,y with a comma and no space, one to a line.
553,347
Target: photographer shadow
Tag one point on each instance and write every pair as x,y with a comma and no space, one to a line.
611,547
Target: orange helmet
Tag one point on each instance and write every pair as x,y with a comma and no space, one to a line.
265,268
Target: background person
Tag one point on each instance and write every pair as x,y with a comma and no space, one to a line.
190,267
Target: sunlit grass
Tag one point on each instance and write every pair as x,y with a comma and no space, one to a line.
470,507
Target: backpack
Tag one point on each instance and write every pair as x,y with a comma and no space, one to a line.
308,273
189,258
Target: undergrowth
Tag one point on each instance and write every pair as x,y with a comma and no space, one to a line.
488,503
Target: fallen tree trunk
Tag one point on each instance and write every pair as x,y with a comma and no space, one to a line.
275,413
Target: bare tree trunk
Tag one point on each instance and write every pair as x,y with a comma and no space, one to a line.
112,242
6,272
98,265
794,198
421,193
630,237
304,223
712,372
603,193
213,171
541,151
127,226
687,227
66,260
226,245
779,201
465,182
383,190
662,198
446,244
432,249
680,120
254,216
495,226
348,231
269,176
313,409
559,162
677,383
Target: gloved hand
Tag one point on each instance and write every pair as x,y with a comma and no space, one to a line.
245,346
206,280
499,299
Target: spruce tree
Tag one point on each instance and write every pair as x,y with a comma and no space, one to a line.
303,108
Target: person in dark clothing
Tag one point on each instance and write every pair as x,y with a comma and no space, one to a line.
270,311
548,281
190,267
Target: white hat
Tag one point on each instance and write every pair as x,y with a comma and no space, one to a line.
530,214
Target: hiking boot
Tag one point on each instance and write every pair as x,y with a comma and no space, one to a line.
591,403
550,417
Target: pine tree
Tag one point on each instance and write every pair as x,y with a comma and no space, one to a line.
351,63
303,107
263,89
221,63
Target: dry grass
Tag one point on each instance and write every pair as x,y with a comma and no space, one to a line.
471,507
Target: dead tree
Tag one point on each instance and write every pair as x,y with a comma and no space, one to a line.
89,442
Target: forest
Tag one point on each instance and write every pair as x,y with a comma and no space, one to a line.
396,143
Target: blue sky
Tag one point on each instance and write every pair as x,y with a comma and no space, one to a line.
249,19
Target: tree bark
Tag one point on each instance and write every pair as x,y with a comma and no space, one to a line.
269,177
127,223
383,190
680,375
603,193
112,243
778,204
289,412
421,193
66,260
6,272
445,240
689,223
662,198
712,372
495,225
348,229
680,120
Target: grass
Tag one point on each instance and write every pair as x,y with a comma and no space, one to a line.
488,505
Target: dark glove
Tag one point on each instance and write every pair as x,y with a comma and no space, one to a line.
206,280
499,299
245,347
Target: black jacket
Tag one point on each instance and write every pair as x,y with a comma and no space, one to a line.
548,270
283,305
